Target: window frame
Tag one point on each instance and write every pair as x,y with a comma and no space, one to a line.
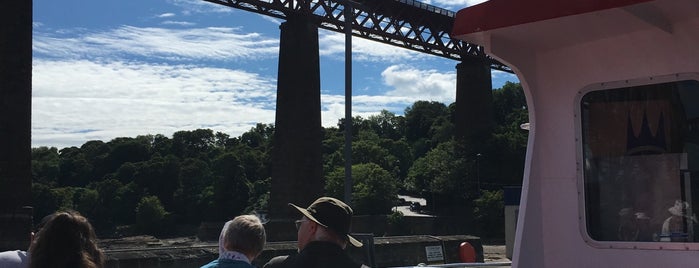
580,169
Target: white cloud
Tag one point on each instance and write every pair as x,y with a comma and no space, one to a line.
180,23
211,43
333,44
363,105
499,78
198,6
77,101
166,15
101,85
419,84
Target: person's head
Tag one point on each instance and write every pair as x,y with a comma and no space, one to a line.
326,219
66,240
38,227
245,234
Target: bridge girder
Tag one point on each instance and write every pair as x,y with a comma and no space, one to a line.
403,23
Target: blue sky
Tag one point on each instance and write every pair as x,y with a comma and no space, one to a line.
107,69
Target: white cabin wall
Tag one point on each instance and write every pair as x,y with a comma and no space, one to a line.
549,231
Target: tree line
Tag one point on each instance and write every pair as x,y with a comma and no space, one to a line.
152,184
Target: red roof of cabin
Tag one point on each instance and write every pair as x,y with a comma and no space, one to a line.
496,14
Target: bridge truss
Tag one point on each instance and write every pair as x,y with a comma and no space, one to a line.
404,23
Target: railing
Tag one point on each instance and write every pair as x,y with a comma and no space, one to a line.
429,7
465,264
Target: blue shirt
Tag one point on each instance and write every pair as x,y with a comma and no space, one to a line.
227,263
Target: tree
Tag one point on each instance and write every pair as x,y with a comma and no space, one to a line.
443,176
403,155
74,169
387,125
161,145
368,151
259,195
125,202
150,215
45,165
195,175
193,143
508,99
125,150
423,120
259,136
160,177
230,191
420,117
103,216
374,190
488,211
96,153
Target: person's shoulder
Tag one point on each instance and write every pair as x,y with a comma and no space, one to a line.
276,262
14,258
226,263
212,264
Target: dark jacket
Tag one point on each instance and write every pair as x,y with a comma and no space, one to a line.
315,255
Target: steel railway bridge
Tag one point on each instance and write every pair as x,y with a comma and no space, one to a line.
404,23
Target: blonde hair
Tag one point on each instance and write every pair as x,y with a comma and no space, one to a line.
67,240
245,234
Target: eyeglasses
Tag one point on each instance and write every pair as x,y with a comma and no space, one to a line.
298,223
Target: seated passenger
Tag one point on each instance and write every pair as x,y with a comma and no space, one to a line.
67,240
242,240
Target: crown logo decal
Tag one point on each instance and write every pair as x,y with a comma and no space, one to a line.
645,142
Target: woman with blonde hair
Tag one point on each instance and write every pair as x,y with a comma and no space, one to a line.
67,240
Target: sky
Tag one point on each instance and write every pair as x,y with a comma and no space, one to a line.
108,69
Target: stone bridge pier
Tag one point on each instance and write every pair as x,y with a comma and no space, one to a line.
296,156
15,124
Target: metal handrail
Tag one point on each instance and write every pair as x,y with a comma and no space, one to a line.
464,264
429,7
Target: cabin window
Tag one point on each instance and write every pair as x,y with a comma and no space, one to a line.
640,168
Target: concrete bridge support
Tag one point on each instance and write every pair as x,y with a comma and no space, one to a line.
474,99
15,123
296,156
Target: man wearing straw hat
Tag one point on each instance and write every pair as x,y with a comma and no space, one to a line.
323,234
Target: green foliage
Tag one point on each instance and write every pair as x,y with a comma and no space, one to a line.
442,170
259,136
425,125
231,189
365,151
45,165
127,150
374,190
150,215
489,212
259,196
202,175
420,118
193,143
397,224
125,202
74,169
159,176
387,125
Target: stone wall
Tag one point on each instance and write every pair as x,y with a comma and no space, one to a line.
387,252
284,230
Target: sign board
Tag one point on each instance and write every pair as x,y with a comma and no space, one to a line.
434,254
